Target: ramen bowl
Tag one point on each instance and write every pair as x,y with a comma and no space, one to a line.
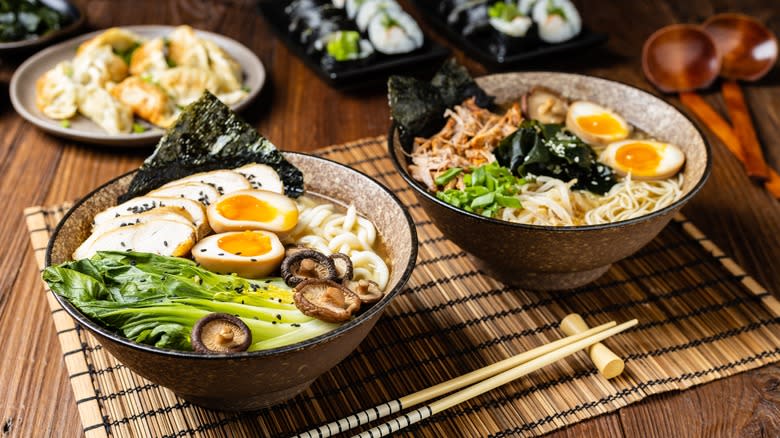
253,380
553,258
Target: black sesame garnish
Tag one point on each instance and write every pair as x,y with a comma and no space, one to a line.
221,254
165,243
253,260
278,316
295,324
203,250
123,244
273,322
238,253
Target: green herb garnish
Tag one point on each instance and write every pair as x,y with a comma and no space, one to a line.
138,128
127,54
488,189
65,123
344,45
553,9
504,11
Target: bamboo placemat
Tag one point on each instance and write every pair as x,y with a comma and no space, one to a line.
701,318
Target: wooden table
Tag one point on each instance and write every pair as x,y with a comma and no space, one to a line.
299,112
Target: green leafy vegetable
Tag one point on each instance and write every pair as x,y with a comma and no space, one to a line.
488,188
209,136
551,150
344,45
504,11
156,300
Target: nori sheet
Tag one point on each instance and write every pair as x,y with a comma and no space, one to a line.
209,136
418,106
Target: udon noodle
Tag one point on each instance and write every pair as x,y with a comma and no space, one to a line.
323,228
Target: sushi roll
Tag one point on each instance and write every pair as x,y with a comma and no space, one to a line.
394,32
352,7
558,20
469,15
506,18
345,49
339,3
370,8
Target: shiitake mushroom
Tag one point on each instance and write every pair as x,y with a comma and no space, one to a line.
343,265
368,291
220,333
307,264
326,300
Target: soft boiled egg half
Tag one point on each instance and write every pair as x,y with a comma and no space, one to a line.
596,125
253,210
643,159
249,254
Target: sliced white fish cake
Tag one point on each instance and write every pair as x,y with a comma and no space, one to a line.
162,237
225,181
143,204
175,214
262,176
196,191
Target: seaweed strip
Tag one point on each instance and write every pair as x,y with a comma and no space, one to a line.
209,136
418,106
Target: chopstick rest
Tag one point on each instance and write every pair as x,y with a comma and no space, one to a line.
609,364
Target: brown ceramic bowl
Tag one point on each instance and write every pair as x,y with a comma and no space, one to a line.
552,258
252,380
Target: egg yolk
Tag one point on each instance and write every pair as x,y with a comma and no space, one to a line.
246,243
601,124
247,208
640,158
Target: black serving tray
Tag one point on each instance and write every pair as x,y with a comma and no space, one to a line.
478,45
358,76
68,9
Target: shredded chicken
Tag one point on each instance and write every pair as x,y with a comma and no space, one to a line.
466,140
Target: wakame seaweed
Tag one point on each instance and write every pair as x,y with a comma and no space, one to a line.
551,150
210,136
418,106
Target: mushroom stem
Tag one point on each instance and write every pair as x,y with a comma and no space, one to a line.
308,267
362,287
226,335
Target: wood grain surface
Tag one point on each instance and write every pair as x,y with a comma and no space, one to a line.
298,112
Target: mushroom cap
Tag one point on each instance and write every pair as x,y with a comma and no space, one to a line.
326,300
293,248
368,291
544,105
343,265
220,333
307,264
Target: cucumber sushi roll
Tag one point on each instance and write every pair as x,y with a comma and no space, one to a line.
506,18
558,20
339,3
345,49
370,8
353,6
393,32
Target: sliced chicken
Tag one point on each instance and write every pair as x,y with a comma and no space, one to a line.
163,237
175,214
262,176
143,204
197,191
225,181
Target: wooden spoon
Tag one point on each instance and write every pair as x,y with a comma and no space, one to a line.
748,51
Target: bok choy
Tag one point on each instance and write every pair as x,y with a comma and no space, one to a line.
157,300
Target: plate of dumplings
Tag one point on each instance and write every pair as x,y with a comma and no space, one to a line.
124,85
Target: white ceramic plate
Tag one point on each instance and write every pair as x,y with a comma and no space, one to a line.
22,87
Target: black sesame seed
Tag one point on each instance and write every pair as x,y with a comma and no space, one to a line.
203,250
221,254
254,260
123,244
238,253
165,243
278,316
295,324
273,322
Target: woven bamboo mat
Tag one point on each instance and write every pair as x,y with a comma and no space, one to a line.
701,318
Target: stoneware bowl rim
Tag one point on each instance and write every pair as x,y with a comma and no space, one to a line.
417,187
322,339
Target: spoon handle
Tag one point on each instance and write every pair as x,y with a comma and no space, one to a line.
743,127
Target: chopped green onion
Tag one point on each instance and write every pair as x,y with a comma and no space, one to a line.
504,11
447,176
65,123
138,128
344,45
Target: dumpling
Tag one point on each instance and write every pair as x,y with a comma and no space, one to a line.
226,69
186,49
186,84
149,58
55,92
100,106
118,39
147,100
98,66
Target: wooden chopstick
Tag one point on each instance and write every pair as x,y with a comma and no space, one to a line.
742,124
723,130
490,383
394,406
